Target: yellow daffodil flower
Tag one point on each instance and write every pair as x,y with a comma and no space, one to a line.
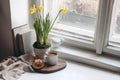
40,8
63,10
32,9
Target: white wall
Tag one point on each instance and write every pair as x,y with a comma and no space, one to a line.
19,12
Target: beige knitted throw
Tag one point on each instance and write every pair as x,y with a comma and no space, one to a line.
12,67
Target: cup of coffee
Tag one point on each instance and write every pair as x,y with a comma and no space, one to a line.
52,58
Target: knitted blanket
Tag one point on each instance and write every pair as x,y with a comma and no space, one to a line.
12,67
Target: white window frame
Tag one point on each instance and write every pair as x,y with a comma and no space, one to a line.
101,27
110,48
101,37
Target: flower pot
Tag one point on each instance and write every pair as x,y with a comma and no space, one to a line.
40,53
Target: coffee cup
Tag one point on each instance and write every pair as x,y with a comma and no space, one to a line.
52,58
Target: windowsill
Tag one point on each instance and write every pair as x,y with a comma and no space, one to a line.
89,57
74,71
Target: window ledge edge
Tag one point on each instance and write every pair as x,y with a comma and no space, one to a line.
89,57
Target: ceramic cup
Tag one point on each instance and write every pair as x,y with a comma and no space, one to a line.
52,58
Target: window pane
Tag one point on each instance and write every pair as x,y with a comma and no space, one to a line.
115,25
81,14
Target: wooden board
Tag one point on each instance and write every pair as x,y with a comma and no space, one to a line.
49,69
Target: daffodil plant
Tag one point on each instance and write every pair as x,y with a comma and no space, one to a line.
43,25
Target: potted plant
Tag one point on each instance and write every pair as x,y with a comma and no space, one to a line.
42,26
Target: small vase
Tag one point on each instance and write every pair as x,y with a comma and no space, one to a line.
40,53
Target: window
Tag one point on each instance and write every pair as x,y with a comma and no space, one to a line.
81,14
115,25
91,23
112,38
81,18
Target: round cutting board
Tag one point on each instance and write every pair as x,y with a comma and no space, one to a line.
61,64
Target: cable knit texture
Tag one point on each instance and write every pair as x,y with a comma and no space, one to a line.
12,68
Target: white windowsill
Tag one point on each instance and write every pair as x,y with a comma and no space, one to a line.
89,57
74,71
